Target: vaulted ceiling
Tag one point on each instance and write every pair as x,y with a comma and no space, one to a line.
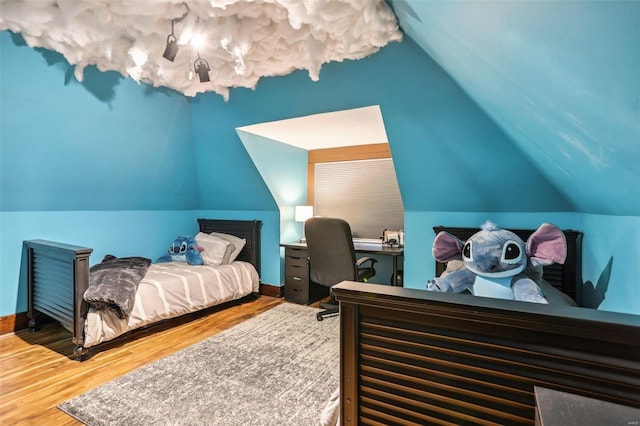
562,79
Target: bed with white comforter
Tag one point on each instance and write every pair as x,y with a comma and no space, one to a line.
101,302
172,289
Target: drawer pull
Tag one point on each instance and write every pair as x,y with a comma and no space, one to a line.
296,278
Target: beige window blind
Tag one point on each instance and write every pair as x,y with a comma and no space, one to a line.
365,193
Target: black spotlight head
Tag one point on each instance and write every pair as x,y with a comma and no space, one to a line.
171,50
202,68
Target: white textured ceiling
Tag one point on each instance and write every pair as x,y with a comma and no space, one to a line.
359,126
242,40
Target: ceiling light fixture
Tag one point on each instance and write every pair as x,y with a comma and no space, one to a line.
198,41
172,48
202,69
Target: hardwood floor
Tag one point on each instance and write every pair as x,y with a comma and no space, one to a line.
38,370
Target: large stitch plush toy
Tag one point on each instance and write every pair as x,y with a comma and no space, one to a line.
497,263
183,249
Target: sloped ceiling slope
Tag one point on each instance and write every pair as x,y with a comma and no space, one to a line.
562,79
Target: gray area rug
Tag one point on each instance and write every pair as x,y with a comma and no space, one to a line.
278,368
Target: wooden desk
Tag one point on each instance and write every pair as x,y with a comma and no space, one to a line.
298,287
379,249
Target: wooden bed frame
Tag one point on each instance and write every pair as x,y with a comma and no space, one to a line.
58,275
413,356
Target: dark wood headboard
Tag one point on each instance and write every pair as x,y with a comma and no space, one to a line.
567,278
247,229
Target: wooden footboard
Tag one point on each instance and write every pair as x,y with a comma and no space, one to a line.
57,277
417,357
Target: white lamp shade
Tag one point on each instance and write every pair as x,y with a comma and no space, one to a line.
303,213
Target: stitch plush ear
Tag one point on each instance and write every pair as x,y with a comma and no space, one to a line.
446,247
547,245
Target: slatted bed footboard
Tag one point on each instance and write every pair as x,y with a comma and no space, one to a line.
57,277
417,357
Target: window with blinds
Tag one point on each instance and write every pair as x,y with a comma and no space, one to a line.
365,193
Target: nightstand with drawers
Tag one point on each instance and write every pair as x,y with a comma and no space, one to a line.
298,288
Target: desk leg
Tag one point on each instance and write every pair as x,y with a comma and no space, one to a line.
395,270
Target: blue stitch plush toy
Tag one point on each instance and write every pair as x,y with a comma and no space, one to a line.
183,249
497,263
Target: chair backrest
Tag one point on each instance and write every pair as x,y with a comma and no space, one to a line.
332,258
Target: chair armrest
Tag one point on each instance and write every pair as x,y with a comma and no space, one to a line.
362,260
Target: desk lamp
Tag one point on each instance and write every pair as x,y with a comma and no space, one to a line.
302,214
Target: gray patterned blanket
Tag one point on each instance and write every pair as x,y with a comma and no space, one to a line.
113,283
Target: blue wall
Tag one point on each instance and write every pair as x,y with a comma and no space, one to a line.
107,164
560,77
449,155
610,262
284,170
105,144
159,161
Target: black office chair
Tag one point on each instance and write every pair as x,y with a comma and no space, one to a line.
332,258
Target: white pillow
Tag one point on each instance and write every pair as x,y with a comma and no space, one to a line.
237,242
214,248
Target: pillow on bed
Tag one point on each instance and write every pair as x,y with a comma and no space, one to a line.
215,248
237,242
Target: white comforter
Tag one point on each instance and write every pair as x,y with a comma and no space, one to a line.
172,289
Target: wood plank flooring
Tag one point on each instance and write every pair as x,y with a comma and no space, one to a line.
38,370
